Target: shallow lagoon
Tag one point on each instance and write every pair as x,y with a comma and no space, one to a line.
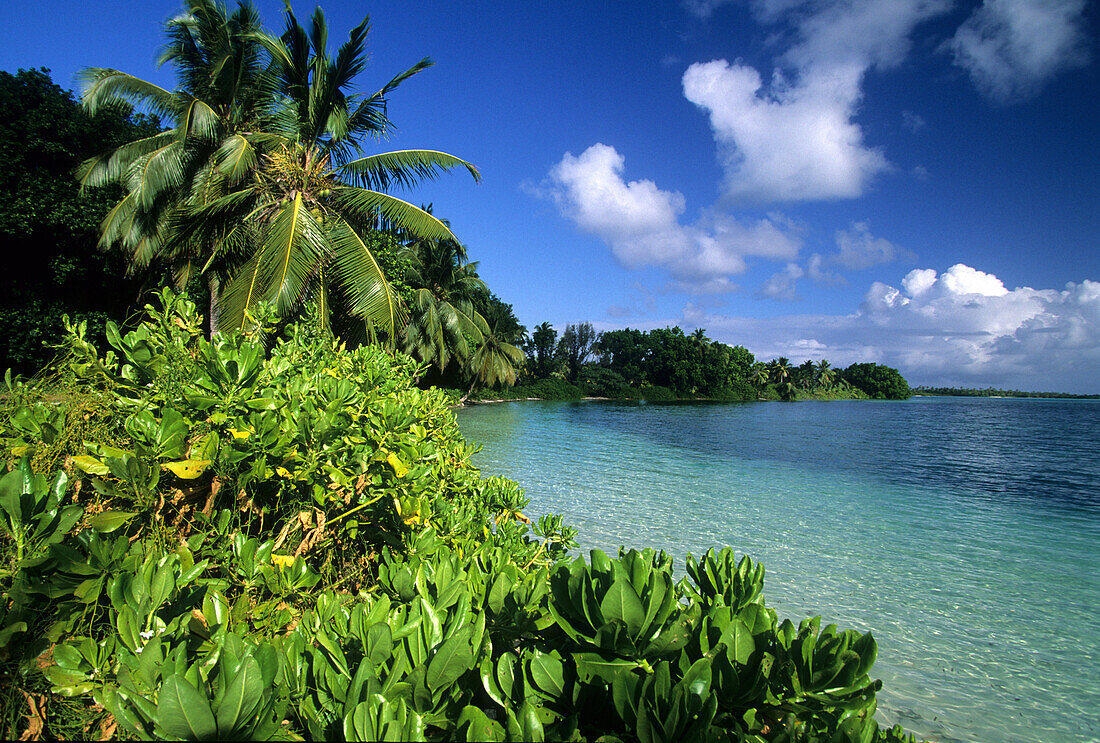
965,533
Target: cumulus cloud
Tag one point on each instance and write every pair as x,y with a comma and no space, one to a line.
794,137
785,142
781,285
858,248
959,327
1011,48
641,223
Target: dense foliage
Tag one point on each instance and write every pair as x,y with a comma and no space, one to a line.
44,222
666,364
240,544
260,184
878,381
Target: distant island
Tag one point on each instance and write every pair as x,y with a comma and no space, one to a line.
992,392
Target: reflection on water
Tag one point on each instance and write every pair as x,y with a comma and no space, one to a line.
962,532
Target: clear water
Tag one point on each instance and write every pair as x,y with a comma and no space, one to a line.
965,533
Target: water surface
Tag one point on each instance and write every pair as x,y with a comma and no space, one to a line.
964,532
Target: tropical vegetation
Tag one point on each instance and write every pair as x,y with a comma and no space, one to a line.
669,364
264,523
210,539
49,231
994,392
260,183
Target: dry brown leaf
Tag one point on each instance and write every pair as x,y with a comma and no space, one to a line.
36,720
215,486
107,727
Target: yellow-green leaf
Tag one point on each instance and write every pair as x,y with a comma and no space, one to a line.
188,469
91,465
399,467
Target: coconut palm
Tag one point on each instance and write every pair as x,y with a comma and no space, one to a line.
443,320
825,374
311,204
780,370
760,375
284,207
494,361
217,118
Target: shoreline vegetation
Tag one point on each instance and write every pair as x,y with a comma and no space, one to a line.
260,521
284,539
992,392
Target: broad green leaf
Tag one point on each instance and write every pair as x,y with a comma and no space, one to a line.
591,666
91,465
548,674
621,602
107,521
473,724
453,658
184,713
242,697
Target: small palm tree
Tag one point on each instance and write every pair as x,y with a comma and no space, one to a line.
495,361
443,321
780,370
825,374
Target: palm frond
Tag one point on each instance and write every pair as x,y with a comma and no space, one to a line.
104,87
367,206
403,168
109,167
365,283
236,158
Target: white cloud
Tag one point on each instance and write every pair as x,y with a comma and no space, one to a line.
1011,48
816,270
787,142
795,138
641,224
859,249
960,327
781,285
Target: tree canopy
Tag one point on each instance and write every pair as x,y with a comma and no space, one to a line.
49,230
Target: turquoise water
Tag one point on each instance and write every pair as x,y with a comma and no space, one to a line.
965,533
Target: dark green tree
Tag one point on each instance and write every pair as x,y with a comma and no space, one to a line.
877,381
542,351
577,344
49,231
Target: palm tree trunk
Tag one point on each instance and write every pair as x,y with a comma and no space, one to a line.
469,392
215,289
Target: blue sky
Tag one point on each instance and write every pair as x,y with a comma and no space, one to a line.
913,182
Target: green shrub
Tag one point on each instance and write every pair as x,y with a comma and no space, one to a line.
295,545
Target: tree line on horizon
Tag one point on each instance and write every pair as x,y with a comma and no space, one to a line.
667,363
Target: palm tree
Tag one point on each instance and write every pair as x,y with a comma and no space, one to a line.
443,319
760,375
495,361
217,116
312,204
824,374
780,370
284,209
804,374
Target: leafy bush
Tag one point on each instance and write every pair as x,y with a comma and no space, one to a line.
877,381
294,545
547,389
